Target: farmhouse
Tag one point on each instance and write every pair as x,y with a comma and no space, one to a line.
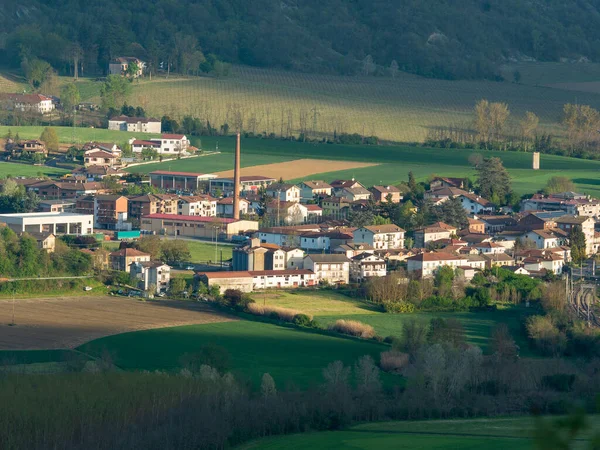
105,146
123,259
45,241
36,103
332,269
248,281
120,65
50,222
179,181
474,204
441,182
30,146
380,237
135,124
195,226
249,183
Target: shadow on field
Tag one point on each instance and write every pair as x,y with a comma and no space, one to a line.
590,181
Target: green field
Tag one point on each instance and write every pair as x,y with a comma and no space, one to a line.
70,135
328,306
395,162
205,251
288,354
400,109
26,170
476,434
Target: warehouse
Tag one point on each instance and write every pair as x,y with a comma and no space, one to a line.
196,226
50,222
180,181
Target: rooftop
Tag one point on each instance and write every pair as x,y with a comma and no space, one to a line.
184,218
181,174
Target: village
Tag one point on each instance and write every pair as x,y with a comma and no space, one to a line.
310,233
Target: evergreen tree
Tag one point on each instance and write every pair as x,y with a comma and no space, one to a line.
493,181
577,243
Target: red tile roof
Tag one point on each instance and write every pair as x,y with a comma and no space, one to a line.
183,218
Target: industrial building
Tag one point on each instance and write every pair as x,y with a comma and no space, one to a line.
196,226
50,222
180,181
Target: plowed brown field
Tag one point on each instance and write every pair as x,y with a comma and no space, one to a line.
299,168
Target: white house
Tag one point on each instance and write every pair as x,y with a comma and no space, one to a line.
474,204
135,124
354,194
284,192
151,273
367,265
313,213
27,102
332,269
291,213
294,258
248,281
548,238
315,241
171,144
426,264
197,205
490,248
551,262
310,189
380,236
586,225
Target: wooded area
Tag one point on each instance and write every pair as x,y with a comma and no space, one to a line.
335,36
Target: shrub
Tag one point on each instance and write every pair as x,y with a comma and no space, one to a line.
303,320
560,382
393,361
234,298
545,335
207,355
275,312
400,307
353,328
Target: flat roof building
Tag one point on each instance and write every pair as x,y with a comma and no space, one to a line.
179,181
196,226
50,222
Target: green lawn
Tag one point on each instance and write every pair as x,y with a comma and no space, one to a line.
288,354
11,357
205,251
476,434
328,306
26,170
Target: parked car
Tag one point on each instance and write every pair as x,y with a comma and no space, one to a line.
161,294
87,288
190,267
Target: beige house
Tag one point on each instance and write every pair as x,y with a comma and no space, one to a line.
100,158
197,205
426,264
151,273
120,65
311,189
145,205
123,258
135,124
284,192
380,237
45,241
383,193
367,265
434,232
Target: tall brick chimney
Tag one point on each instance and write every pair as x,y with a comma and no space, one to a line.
236,180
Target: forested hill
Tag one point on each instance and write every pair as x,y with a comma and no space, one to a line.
437,38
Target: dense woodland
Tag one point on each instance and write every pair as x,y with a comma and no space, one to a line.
432,38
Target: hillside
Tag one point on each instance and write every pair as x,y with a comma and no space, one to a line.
434,38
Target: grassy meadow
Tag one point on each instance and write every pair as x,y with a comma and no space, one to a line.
205,251
329,306
474,434
255,348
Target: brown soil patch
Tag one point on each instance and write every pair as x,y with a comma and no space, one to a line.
71,321
299,168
